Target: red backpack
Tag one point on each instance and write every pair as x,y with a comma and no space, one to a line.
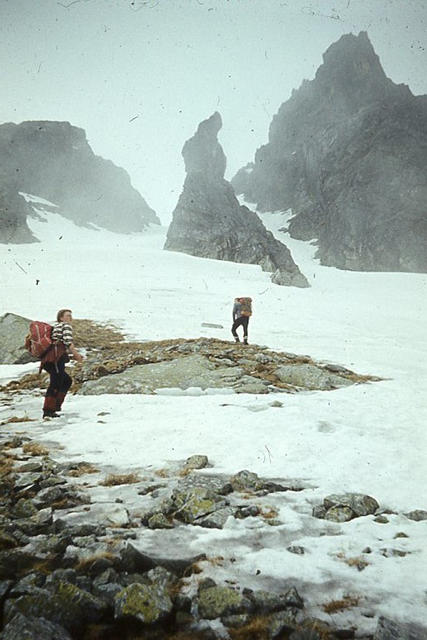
38,341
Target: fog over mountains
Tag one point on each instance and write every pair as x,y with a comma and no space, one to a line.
53,160
347,153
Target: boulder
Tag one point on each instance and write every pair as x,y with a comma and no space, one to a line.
142,602
13,330
216,602
309,376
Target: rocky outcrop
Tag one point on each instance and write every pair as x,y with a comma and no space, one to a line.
13,330
209,222
53,160
347,153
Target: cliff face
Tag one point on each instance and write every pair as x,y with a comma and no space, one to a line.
208,220
347,152
53,160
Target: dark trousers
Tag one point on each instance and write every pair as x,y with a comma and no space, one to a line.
59,384
242,321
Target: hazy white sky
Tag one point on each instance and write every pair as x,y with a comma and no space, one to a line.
139,75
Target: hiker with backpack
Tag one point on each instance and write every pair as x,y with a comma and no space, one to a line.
53,346
242,311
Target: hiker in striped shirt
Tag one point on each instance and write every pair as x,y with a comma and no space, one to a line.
60,381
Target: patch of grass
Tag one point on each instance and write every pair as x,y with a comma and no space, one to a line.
339,605
162,473
14,419
113,480
82,470
256,629
268,513
35,449
83,565
356,561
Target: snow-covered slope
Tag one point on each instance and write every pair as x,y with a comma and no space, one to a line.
365,438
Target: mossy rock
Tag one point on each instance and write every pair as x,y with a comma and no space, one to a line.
146,603
216,602
195,503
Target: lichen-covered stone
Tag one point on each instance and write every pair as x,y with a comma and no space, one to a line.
361,504
195,502
246,480
159,521
216,602
339,514
142,602
196,462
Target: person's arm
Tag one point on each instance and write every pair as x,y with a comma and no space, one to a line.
67,338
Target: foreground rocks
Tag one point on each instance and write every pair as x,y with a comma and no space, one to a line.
65,574
209,222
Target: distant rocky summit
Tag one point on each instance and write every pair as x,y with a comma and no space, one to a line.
209,222
347,153
54,161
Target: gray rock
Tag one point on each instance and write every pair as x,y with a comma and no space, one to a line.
216,602
68,606
131,560
196,462
246,480
195,502
340,513
417,515
361,504
145,603
310,376
208,220
217,519
31,628
300,551
389,630
13,330
190,371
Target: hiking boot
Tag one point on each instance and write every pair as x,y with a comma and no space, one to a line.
236,339
245,341
50,414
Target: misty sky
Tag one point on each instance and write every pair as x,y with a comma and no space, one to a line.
139,75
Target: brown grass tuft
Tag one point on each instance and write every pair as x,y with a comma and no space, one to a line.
256,629
35,449
268,513
339,605
13,419
113,480
83,565
82,470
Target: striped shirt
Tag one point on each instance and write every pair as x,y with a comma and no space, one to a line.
62,332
